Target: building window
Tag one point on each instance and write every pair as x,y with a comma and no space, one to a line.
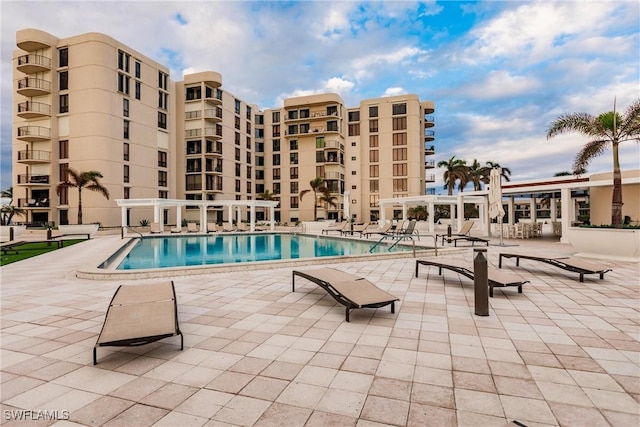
249,174
162,159
259,119
293,158
373,200
276,173
237,170
63,149
400,169
193,182
399,139
123,83
354,116
194,147
194,92
399,154
64,103
125,129
304,128
399,123
374,171
399,185
292,114
275,130
62,170
276,145
373,140
248,126
126,193
248,143
399,109
125,173
237,122
162,179
138,89
373,125
320,142
293,173
374,156
125,151
237,138
294,187
237,106
293,144
125,107
163,100
292,130
275,117
332,126
162,194
320,157
374,186
249,157
354,129
373,111
276,159
294,202
237,154
194,165
238,186
163,80
138,66
63,79
63,57
64,197
123,61
162,120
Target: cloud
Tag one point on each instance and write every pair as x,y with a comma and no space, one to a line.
501,84
393,91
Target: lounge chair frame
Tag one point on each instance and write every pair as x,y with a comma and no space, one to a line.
497,279
572,264
340,287
155,300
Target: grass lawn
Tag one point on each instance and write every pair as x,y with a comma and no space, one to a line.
29,250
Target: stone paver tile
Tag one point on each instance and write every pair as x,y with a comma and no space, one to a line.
612,400
94,380
37,396
630,384
577,416
517,387
595,380
552,375
204,403
168,371
433,395
283,415
54,370
526,409
137,389
540,359
173,419
326,419
478,402
386,411
425,415
303,395
198,376
316,375
264,388
342,402
137,415
282,370
140,365
30,365
473,419
18,386
563,393
469,364
100,411
326,360
72,401
169,396
250,365
241,410
579,363
352,381
433,376
230,382
473,381
360,364
622,418
434,360
390,388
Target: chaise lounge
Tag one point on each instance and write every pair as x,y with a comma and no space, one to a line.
464,234
351,291
573,264
497,278
138,315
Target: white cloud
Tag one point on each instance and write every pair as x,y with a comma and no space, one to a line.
393,91
501,84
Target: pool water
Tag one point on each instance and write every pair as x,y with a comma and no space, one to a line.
180,251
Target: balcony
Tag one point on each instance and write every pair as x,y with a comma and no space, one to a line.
429,150
33,63
213,99
429,164
30,86
32,110
33,179
212,115
332,144
34,133
430,191
191,115
429,122
33,203
429,107
430,178
34,156
429,135
333,175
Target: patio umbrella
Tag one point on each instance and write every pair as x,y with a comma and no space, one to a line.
495,197
347,205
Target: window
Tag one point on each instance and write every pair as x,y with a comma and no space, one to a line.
126,192
294,187
374,171
125,129
399,109
162,178
399,123
63,149
320,142
248,113
304,128
259,160
373,125
62,170
248,143
125,151
193,182
373,140
237,106
162,159
237,122
194,147
64,103
237,154
137,67
399,185
275,117
399,154
319,170
163,80
123,83
123,61
162,194
293,114
138,89
400,169
354,116
63,57
374,186
373,111
332,110
294,202
293,144
275,130
374,156
194,92
276,173
292,130
332,126
399,139
259,119
276,160
63,79
162,120
237,138
125,173
193,165
319,157
237,170
276,145
249,157
293,158
373,201
249,174
125,107
293,173
354,129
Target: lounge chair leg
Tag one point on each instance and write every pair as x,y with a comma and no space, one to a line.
582,277
519,289
347,313
491,291
393,307
500,261
95,358
293,281
417,264
181,342
601,276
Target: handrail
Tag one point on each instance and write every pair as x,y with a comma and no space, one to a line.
130,229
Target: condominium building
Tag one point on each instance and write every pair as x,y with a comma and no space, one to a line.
89,102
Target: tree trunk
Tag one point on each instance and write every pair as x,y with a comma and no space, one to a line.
616,202
79,206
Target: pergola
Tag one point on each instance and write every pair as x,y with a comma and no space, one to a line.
159,204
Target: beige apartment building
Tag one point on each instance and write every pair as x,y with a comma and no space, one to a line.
89,102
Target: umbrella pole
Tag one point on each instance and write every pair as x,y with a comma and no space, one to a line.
501,229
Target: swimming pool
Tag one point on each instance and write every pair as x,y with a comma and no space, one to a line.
185,251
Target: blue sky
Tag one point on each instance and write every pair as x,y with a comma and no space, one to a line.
498,71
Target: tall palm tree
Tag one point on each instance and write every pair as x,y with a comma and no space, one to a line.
316,185
8,193
8,211
607,129
455,171
506,172
418,212
81,180
477,174
327,199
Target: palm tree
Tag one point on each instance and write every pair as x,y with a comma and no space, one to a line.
8,211
418,212
506,172
81,180
327,199
8,193
607,129
455,170
477,174
316,186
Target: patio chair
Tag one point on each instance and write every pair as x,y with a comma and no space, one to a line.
212,227
351,291
192,227
384,230
138,315
497,278
155,228
338,226
463,235
176,230
574,264
357,228
242,227
227,228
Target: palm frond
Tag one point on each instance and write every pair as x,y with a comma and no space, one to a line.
590,150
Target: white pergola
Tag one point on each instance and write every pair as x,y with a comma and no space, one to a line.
232,205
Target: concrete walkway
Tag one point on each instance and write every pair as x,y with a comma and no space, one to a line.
562,353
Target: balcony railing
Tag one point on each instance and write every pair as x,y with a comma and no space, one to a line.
429,149
190,115
211,114
430,178
429,135
33,203
33,179
34,133
34,156
30,109
33,63
429,122
30,86
430,191
333,144
428,164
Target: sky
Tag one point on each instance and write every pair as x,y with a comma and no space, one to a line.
498,71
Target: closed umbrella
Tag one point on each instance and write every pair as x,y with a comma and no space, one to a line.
347,205
495,197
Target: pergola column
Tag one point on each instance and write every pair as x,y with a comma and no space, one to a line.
432,217
460,213
272,221
252,218
532,209
123,219
157,217
230,215
511,217
404,211
567,210
554,207
484,215
203,218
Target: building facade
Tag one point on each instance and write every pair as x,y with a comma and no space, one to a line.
89,102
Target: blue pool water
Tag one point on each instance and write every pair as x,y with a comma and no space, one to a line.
180,251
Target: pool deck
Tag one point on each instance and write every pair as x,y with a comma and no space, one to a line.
562,353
